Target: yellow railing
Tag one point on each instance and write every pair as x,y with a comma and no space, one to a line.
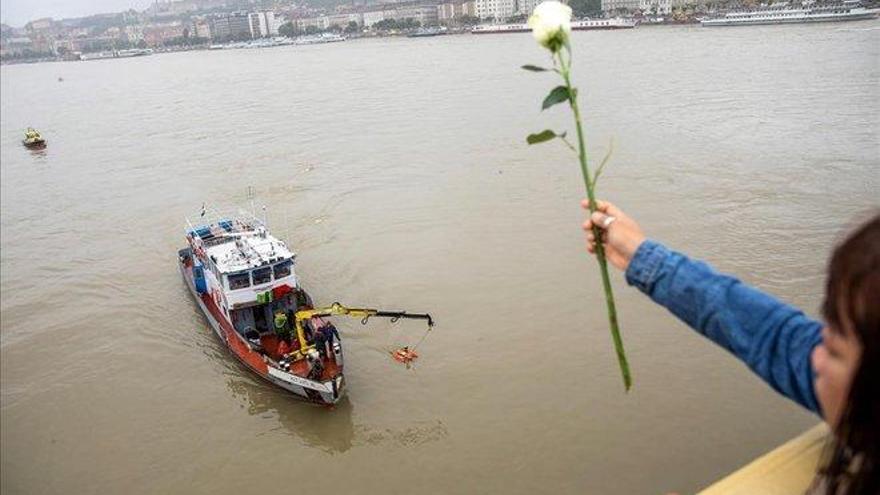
785,470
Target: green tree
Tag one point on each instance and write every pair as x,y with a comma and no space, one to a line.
352,27
288,29
386,25
186,41
585,8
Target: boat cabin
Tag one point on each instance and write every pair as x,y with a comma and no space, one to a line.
250,276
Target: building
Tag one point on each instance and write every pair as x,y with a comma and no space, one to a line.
16,46
495,9
134,33
262,24
449,11
200,28
694,3
425,14
342,20
158,34
319,23
232,25
39,25
659,7
527,6
373,16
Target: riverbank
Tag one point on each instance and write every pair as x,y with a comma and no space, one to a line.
252,44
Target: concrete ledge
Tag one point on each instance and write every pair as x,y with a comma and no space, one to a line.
787,469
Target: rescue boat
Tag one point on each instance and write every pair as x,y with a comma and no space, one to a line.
244,282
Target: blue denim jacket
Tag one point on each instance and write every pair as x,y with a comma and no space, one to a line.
774,339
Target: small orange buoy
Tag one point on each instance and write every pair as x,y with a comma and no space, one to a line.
404,355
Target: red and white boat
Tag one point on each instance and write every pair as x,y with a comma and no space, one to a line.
243,280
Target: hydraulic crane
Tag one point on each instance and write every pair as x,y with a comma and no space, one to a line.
337,309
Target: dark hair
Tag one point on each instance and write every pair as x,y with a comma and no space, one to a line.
852,301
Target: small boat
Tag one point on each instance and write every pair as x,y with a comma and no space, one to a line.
318,39
612,23
500,28
426,32
243,280
33,140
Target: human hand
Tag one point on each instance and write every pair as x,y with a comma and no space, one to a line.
621,235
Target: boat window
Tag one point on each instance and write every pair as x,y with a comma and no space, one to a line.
262,275
239,280
283,269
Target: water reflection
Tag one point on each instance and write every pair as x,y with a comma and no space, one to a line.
39,153
329,428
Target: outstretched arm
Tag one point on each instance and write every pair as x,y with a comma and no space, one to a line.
773,338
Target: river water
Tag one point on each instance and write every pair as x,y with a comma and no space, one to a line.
398,170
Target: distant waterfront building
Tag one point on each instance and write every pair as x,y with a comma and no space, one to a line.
691,3
39,25
304,23
373,16
158,34
495,9
262,24
343,19
660,7
134,33
232,25
452,10
201,28
425,14
527,6
448,11
42,34
15,46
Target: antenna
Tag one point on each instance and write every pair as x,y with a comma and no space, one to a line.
251,194
286,226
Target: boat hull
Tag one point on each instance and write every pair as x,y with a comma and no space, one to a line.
586,25
34,145
807,19
321,392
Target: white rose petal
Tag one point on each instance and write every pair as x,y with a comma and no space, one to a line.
551,24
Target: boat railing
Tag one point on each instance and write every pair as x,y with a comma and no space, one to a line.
210,222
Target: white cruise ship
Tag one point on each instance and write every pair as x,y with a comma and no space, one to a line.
582,25
791,14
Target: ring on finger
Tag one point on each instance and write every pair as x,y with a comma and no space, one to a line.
608,221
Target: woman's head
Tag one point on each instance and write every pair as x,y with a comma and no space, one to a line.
847,364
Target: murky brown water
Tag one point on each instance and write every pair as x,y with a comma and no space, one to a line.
398,170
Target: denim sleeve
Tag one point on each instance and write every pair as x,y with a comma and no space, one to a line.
774,339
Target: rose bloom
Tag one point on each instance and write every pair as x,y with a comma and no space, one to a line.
551,24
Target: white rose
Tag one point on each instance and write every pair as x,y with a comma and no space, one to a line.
551,24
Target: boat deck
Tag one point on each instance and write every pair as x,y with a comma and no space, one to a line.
301,367
269,342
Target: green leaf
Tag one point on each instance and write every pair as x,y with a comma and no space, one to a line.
542,136
559,94
534,68
604,161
